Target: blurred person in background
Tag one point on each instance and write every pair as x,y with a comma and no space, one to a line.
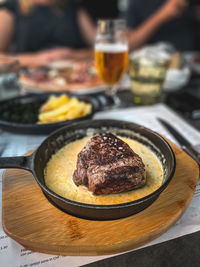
101,9
41,31
154,21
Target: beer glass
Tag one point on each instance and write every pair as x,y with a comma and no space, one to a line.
111,54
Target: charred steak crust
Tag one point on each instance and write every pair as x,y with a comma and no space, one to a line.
108,165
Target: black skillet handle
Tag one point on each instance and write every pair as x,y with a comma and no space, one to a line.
17,163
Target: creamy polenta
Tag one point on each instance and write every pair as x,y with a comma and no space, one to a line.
61,166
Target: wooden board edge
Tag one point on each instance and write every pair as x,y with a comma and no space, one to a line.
103,250
117,248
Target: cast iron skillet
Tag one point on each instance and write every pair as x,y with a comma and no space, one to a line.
36,163
19,114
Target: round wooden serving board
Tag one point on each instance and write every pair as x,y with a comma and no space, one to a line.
36,224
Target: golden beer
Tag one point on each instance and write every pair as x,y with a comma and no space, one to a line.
111,62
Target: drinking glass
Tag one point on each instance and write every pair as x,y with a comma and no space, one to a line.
9,73
147,75
111,54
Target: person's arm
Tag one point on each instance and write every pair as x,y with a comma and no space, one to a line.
171,9
6,29
87,27
41,58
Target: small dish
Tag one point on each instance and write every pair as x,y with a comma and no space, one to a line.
22,113
176,79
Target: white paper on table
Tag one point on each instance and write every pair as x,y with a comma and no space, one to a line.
14,255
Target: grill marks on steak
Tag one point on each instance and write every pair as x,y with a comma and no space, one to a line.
108,165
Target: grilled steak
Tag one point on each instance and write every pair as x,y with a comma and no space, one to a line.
108,165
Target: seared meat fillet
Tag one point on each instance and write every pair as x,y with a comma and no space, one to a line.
108,165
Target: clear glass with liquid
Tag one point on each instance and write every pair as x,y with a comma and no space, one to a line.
147,76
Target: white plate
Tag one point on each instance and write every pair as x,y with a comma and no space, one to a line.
86,91
176,79
195,66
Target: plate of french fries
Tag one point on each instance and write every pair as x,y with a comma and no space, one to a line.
44,113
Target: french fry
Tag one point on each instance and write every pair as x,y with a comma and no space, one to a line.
46,116
60,109
54,102
87,110
75,111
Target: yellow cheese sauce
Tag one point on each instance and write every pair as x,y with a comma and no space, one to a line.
61,166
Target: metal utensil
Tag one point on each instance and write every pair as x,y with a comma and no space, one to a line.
185,145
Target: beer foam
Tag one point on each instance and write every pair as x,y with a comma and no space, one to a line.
111,48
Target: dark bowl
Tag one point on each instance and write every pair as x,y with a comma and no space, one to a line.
36,163
19,114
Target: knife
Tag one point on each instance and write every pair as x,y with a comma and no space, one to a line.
193,151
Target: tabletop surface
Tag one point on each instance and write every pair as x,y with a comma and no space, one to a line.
183,251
